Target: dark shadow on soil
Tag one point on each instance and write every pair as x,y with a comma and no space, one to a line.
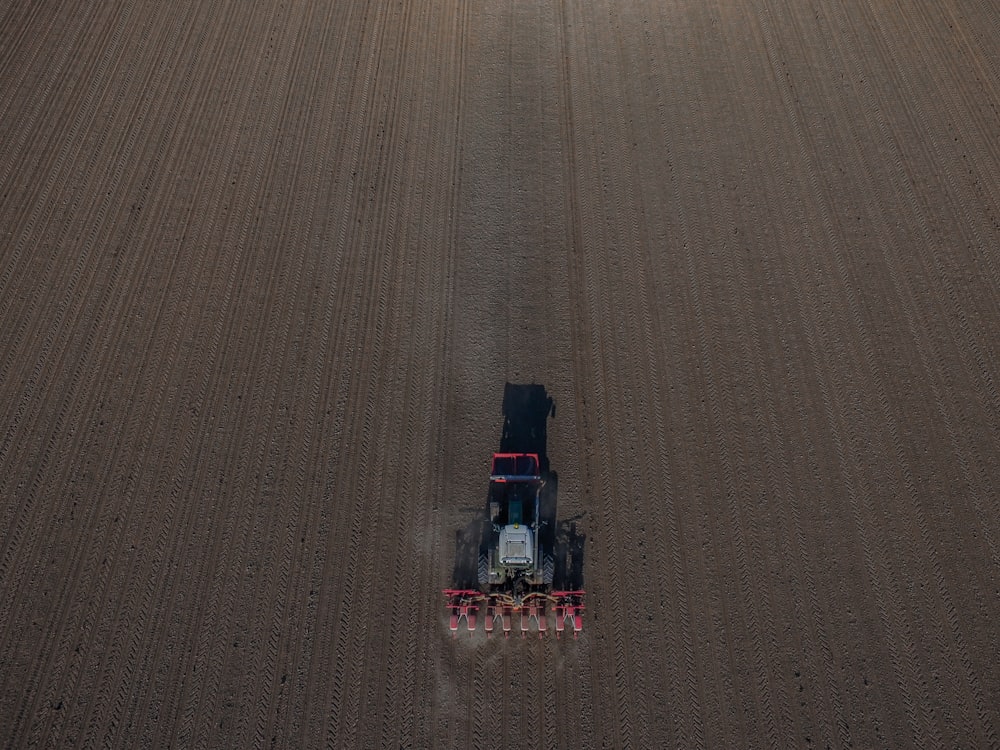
468,541
547,498
569,549
526,411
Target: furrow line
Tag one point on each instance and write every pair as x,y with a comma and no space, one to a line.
342,729
725,620
397,700
689,722
431,715
291,580
893,437
485,720
331,404
35,380
608,401
23,123
554,719
743,522
723,542
943,597
638,679
65,598
973,356
41,94
767,428
332,649
942,151
62,275
383,226
17,31
580,313
778,477
62,354
820,620
236,672
164,395
963,107
820,343
223,561
277,274
649,417
113,333
428,231
727,422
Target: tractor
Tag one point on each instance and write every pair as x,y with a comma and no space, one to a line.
516,560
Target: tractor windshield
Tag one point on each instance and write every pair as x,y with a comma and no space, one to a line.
515,512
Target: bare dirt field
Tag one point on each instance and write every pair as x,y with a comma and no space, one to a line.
270,272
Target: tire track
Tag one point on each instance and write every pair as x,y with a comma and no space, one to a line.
942,598
223,588
242,383
188,419
603,389
397,437
269,345
138,462
259,586
580,315
70,272
346,725
958,324
330,402
339,274
345,337
626,267
856,485
718,679
103,348
35,380
752,592
75,667
906,477
441,714
414,287
433,276
384,228
273,698
778,477
767,421
724,411
678,526
452,117
36,95
280,288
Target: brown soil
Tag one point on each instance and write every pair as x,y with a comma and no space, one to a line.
267,268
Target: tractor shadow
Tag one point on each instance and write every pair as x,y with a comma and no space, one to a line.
569,553
562,537
468,541
526,411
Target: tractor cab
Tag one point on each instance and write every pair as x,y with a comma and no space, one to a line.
516,544
515,481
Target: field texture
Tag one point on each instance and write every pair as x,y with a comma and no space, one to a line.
272,273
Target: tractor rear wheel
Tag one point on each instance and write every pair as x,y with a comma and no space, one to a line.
548,569
484,569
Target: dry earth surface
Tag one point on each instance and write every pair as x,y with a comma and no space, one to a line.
266,269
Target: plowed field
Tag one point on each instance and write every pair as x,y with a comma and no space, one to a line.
272,274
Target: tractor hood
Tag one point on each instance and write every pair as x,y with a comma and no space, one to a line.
517,546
